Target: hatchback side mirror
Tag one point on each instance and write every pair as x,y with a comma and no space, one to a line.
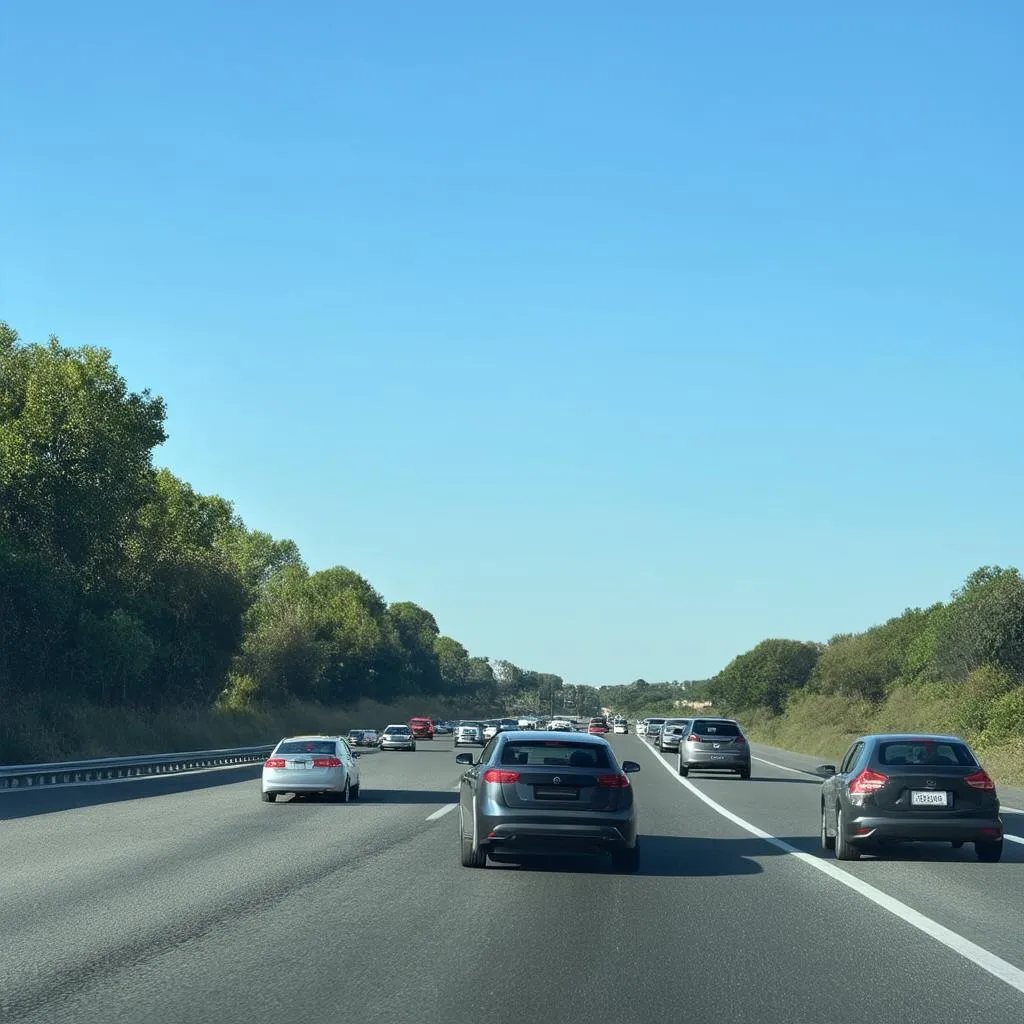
463,758
355,753
629,767
828,770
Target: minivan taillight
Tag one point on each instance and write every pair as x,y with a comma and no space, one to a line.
274,762
500,775
980,780
867,782
613,781
326,762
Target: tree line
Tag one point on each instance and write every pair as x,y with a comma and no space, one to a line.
966,655
122,586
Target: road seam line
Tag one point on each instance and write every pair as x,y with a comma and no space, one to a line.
978,955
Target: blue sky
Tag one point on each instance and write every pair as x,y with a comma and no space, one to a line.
619,336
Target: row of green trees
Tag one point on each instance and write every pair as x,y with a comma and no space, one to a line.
121,586
967,653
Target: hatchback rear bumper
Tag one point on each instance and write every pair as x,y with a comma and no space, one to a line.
526,831
725,762
931,829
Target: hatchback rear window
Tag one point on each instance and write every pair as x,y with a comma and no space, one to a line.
398,730
556,754
716,728
306,747
925,752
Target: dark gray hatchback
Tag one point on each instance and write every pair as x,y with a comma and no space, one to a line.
897,787
543,792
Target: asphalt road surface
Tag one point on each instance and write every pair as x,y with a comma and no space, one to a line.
183,900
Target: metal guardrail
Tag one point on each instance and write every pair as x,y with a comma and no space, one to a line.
25,776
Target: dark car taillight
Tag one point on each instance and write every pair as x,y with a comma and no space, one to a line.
739,740
274,762
613,781
500,775
326,762
980,780
867,782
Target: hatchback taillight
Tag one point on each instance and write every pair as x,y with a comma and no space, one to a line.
693,738
500,775
274,762
867,782
980,780
740,740
326,762
613,781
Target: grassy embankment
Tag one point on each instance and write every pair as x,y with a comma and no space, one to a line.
35,732
825,726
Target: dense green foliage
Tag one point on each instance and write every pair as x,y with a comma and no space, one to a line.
955,666
121,587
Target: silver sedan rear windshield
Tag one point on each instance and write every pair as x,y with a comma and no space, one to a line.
306,747
716,728
556,753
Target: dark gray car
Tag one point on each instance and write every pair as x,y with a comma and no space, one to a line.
896,787
544,792
714,744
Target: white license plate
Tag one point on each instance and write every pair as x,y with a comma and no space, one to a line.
298,764
925,798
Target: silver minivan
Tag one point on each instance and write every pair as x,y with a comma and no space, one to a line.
714,744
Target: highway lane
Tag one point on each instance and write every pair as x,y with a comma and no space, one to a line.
982,902
219,908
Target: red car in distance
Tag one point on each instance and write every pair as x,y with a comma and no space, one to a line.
422,727
598,726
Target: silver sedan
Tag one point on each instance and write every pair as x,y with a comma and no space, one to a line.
397,737
312,764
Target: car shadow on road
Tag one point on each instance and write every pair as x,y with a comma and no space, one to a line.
29,802
408,796
663,857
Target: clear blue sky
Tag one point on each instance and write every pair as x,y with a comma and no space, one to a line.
620,336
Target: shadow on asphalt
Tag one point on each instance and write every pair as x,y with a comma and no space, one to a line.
408,796
27,803
664,857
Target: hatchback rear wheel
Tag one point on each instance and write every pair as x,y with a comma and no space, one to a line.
269,798
627,861
470,858
989,850
845,850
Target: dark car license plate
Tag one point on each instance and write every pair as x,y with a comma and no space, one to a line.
555,793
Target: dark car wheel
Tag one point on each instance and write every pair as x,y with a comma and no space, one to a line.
269,798
470,858
827,842
845,850
627,862
744,773
989,851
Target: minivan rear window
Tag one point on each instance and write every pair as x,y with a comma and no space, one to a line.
925,752
556,754
307,747
716,728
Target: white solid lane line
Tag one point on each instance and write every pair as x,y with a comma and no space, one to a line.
994,965
441,812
